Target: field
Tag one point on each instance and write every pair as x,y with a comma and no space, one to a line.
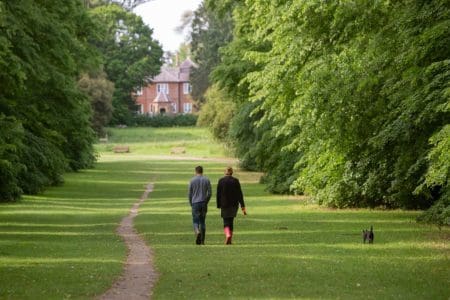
62,244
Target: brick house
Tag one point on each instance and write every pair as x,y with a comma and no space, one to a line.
167,93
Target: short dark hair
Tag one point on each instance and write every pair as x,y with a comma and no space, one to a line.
199,169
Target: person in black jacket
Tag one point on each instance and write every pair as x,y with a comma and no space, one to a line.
229,197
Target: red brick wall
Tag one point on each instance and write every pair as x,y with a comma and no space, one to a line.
176,94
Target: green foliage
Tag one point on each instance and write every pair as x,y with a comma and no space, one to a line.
173,59
130,55
436,178
45,118
217,113
44,165
11,141
209,32
100,91
439,213
162,120
352,90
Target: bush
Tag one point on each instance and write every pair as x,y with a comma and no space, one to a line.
164,120
44,163
438,214
217,113
11,141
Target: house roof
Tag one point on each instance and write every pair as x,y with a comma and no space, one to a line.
188,63
175,74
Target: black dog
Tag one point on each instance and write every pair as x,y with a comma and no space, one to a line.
368,235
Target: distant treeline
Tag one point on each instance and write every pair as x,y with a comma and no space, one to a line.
346,101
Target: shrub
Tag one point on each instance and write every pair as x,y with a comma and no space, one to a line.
11,139
438,214
44,163
217,113
162,120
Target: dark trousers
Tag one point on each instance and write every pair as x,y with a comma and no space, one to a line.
228,222
199,211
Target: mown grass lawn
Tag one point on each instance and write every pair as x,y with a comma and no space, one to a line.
62,244
195,141
286,248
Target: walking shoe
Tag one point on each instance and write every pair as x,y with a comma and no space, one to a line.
198,239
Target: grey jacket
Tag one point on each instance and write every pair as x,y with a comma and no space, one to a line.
199,189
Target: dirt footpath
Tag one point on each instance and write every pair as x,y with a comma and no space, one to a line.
139,274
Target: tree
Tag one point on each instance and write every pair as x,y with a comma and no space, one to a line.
131,55
217,113
45,128
100,91
126,4
209,32
172,59
355,91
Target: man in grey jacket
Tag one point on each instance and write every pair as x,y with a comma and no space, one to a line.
199,196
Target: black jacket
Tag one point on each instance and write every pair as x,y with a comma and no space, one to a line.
229,195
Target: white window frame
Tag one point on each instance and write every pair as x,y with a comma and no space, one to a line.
141,109
162,88
187,88
174,107
140,91
187,107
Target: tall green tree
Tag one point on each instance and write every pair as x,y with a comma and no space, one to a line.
356,91
131,55
100,92
209,32
45,118
217,113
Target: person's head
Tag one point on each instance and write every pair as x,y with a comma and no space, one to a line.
229,171
199,170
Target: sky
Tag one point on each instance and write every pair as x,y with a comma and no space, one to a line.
163,16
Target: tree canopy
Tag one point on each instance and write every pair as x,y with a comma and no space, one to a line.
45,119
53,88
351,96
130,55
209,31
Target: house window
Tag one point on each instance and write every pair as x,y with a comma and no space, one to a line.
141,109
139,91
174,107
187,88
162,88
187,107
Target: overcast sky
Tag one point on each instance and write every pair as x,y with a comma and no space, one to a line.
164,16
